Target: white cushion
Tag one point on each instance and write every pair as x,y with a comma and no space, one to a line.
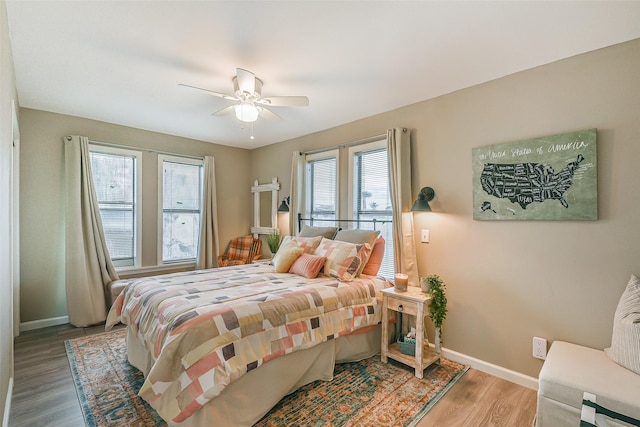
625,341
287,254
571,369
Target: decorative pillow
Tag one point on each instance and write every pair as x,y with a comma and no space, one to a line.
286,255
343,258
308,244
375,260
328,232
358,236
239,247
308,265
625,341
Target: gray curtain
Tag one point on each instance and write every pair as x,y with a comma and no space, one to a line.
295,191
209,247
88,266
399,151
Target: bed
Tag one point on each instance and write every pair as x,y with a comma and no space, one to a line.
223,346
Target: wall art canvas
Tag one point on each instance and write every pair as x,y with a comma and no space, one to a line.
549,178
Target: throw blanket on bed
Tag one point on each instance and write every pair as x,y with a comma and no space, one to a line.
207,328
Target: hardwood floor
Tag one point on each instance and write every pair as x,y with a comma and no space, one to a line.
480,399
44,393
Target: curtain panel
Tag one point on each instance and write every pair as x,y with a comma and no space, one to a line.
295,191
208,249
399,151
88,266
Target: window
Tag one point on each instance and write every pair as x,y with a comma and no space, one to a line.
370,195
181,200
322,187
115,176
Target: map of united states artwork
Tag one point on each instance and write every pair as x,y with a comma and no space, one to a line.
548,178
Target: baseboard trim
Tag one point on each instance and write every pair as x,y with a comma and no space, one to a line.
481,365
43,323
7,403
490,368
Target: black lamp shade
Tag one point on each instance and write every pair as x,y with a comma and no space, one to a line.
284,207
422,203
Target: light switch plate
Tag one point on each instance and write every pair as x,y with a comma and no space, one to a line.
425,236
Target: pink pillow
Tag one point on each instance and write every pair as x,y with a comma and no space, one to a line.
375,260
308,265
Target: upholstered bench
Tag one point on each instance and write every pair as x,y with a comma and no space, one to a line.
114,289
569,371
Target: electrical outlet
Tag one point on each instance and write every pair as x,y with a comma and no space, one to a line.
539,348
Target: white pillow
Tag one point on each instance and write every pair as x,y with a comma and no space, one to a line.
286,256
625,341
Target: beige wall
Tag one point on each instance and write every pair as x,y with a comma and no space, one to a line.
510,281
7,94
42,211
507,281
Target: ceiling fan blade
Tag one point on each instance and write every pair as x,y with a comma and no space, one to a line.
269,115
283,101
225,111
246,81
210,92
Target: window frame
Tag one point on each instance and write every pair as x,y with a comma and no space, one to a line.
123,265
174,159
324,155
351,195
352,151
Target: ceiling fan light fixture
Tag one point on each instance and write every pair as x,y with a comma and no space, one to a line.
247,112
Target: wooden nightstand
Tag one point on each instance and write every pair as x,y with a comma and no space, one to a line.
414,303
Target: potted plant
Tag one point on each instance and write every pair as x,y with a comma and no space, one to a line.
438,307
273,240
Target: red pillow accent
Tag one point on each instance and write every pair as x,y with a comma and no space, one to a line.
375,260
308,265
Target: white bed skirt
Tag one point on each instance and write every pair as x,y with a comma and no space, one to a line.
245,401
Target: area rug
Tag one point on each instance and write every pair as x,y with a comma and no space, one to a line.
362,393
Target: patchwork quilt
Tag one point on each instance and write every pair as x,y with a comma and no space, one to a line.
207,328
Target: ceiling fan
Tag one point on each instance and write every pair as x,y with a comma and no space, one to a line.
248,92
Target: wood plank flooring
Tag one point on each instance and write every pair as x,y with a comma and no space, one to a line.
44,393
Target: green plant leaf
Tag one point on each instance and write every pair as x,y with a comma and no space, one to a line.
438,306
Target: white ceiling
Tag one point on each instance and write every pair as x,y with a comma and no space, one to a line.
121,61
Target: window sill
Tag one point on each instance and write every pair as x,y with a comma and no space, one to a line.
154,269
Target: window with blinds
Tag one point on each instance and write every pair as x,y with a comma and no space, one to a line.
181,208
322,181
371,196
114,176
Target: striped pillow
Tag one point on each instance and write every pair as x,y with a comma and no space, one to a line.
625,341
308,265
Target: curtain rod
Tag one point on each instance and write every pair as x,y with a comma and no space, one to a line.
348,144
149,150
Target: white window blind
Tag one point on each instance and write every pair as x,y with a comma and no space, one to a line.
322,189
372,198
181,209
114,177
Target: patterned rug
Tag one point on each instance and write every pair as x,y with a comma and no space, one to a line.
367,393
